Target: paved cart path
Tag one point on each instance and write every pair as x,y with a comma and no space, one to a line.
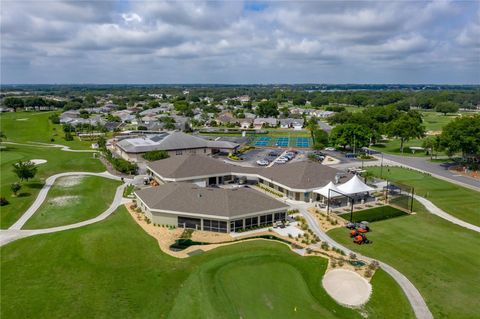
442,214
15,232
414,297
62,147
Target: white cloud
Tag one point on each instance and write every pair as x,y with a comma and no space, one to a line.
217,41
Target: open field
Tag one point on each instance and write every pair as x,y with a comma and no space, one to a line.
24,127
74,199
114,269
393,147
458,201
440,258
57,162
434,121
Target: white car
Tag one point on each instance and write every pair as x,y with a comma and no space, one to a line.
281,160
263,162
331,149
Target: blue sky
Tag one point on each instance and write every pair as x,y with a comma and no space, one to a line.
240,42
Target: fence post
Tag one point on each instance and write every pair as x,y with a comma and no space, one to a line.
411,203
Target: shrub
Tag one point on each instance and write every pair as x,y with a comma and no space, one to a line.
374,265
333,264
309,250
368,273
353,256
3,201
341,262
155,155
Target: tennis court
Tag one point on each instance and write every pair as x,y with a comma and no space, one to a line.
303,142
282,141
262,141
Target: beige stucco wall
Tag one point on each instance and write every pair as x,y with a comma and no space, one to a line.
164,218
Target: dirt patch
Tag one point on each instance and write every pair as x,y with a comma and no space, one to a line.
330,161
347,287
70,181
64,200
38,161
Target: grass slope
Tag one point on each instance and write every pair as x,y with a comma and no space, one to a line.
440,258
458,201
57,162
114,269
94,195
24,127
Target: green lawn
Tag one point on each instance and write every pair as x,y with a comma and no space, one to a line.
24,127
57,161
375,214
393,147
434,121
114,269
440,258
458,201
74,199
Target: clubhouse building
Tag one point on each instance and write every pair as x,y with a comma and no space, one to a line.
131,148
192,192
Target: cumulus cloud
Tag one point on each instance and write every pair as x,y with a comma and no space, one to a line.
233,41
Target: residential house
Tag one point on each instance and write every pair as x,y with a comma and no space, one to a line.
260,122
296,124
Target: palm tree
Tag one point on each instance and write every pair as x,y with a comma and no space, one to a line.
312,126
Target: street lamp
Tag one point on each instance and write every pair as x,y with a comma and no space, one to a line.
381,167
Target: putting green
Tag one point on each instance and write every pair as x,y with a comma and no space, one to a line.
114,269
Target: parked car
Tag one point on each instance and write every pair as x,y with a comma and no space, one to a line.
281,161
263,162
331,149
273,154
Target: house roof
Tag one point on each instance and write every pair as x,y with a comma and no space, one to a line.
269,120
189,198
298,175
301,175
167,141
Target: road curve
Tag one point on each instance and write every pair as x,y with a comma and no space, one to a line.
442,214
416,300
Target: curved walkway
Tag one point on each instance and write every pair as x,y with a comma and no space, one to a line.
442,214
62,147
15,232
413,295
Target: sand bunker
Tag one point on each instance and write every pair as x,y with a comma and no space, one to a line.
70,181
38,161
347,287
64,200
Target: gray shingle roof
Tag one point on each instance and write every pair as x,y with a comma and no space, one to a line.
298,175
167,141
189,198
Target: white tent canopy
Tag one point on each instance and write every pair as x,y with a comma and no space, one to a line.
354,186
329,188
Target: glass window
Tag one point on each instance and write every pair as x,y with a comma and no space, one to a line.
187,222
178,152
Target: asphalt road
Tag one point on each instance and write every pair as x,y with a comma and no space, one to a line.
439,169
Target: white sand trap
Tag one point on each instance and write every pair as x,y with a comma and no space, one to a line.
22,119
38,161
347,287
70,181
64,200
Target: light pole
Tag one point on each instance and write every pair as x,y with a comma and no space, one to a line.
381,167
